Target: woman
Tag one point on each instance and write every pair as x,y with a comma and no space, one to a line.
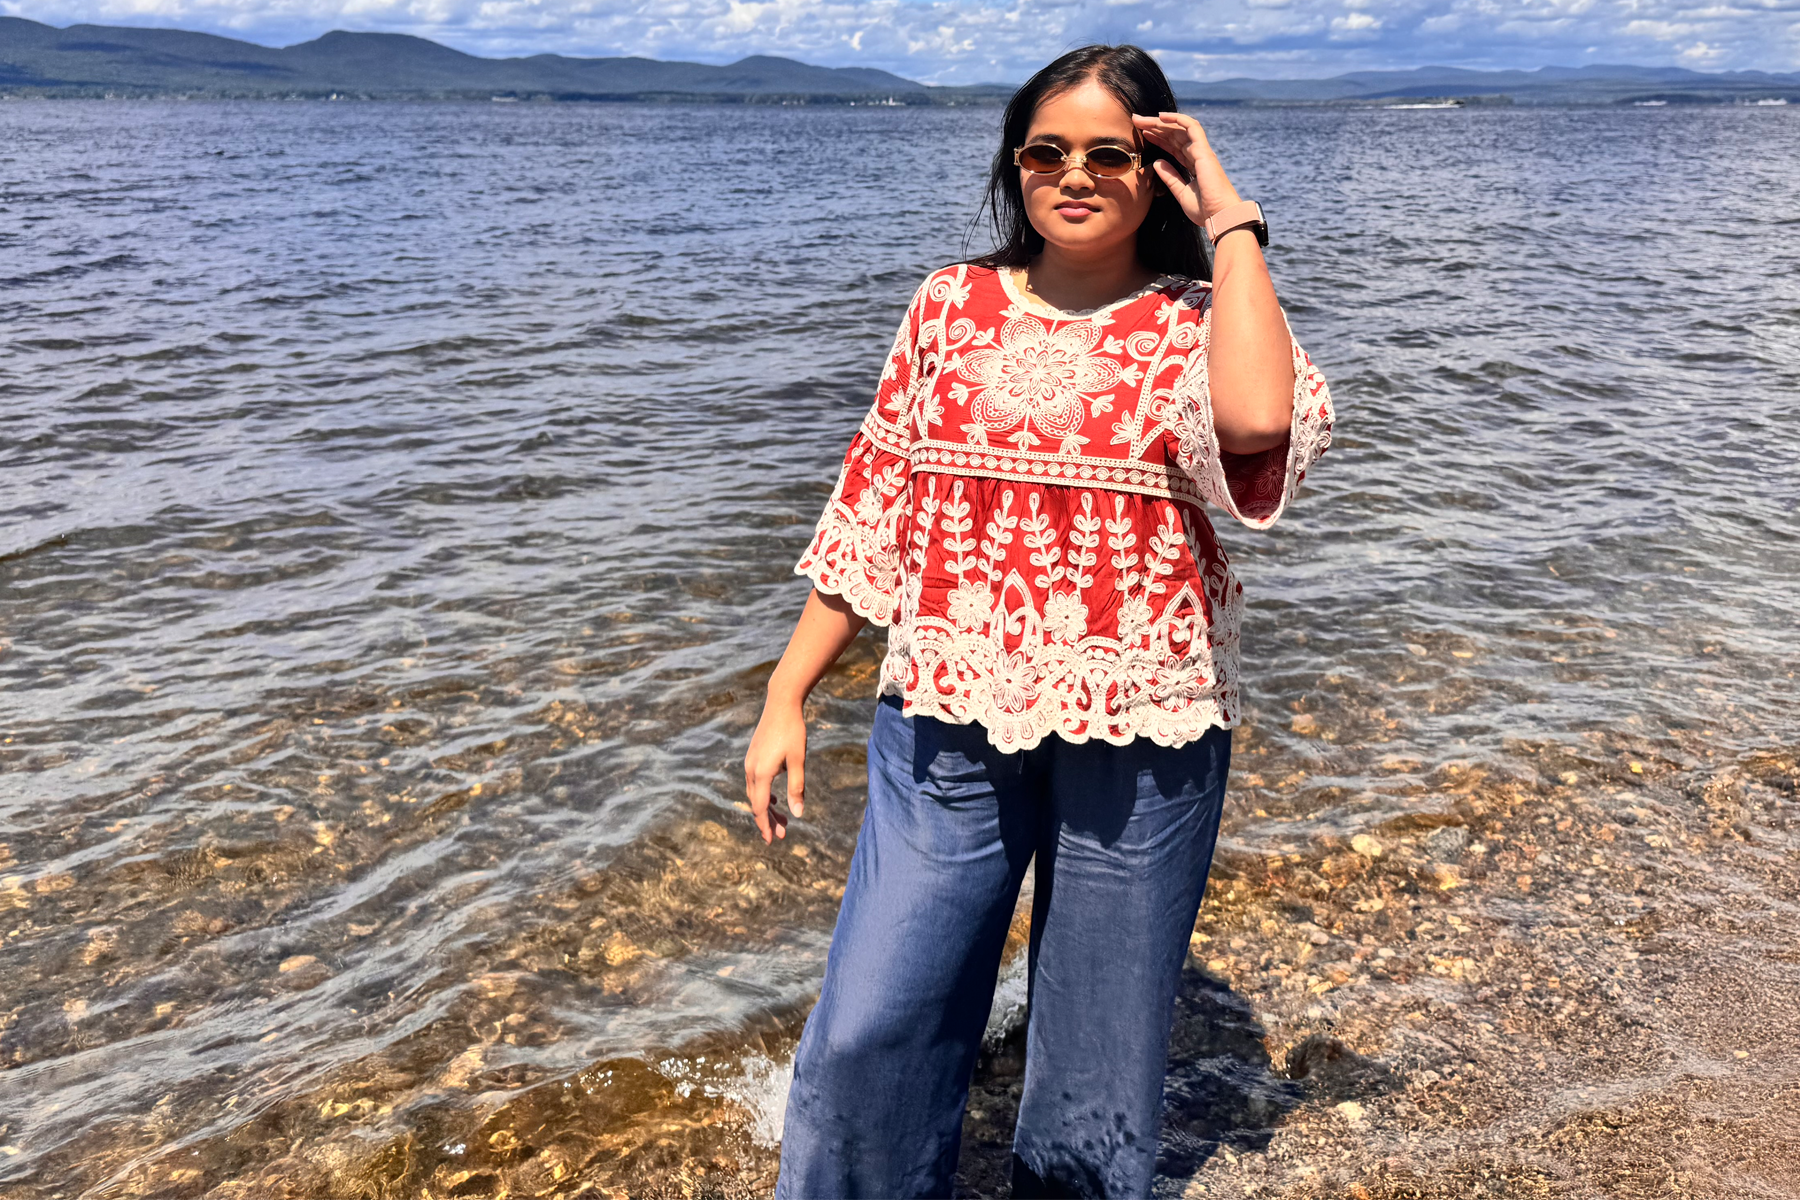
1022,509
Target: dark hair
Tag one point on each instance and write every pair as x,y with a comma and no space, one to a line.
1167,242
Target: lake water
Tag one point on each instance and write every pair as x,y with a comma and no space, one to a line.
397,513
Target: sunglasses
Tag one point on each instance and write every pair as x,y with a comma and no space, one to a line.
1107,162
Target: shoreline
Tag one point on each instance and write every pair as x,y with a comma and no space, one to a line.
1570,974
1586,998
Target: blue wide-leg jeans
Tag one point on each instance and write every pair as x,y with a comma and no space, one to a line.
1123,837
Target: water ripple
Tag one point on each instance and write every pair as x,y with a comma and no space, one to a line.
399,508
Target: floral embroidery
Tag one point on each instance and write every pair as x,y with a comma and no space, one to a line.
971,605
1039,376
1067,581
1065,616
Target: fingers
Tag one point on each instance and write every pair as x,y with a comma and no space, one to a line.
756,789
1182,140
1175,132
1181,188
1168,123
1172,173
796,788
1162,135
1173,179
1183,120
771,822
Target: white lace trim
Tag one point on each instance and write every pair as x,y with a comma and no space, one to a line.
1171,684
1197,450
1038,304
854,553
1017,654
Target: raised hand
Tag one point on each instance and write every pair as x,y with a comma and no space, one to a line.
1200,184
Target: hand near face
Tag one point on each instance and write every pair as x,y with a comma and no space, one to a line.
1200,185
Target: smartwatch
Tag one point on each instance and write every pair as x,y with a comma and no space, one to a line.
1238,216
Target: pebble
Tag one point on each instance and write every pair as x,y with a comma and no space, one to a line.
1366,846
1447,842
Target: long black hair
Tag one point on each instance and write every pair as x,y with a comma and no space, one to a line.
1167,242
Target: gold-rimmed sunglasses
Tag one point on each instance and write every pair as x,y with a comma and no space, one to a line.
1107,162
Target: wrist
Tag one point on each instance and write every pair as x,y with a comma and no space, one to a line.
1245,214
1216,202
785,693
1236,238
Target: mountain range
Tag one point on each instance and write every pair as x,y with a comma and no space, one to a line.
98,60
1546,85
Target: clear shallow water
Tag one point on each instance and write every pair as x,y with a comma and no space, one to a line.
397,507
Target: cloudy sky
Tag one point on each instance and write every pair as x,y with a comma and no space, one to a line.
968,41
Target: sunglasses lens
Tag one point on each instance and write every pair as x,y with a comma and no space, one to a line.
1109,161
1041,160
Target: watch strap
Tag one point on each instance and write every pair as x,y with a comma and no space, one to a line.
1236,216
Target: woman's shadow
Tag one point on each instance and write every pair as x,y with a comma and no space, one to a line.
1222,1088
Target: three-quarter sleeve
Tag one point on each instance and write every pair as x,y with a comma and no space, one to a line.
855,550
1254,488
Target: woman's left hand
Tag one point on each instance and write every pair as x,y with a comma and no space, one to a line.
1201,185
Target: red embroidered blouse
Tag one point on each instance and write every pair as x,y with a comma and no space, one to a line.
1023,508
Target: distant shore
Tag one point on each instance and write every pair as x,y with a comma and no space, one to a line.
120,62
973,97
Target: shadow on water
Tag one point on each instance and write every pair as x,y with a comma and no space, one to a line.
1222,1090
1221,1087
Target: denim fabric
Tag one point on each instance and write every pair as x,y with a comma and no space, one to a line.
1123,838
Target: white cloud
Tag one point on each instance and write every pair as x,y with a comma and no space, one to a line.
965,41
1356,22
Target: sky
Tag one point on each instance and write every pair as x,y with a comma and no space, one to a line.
973,41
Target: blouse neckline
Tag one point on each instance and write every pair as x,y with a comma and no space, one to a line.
1045,308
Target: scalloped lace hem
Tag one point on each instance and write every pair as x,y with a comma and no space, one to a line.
1016,732
865,598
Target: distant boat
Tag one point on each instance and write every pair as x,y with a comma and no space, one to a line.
1429,104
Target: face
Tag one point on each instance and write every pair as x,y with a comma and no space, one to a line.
1076,211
